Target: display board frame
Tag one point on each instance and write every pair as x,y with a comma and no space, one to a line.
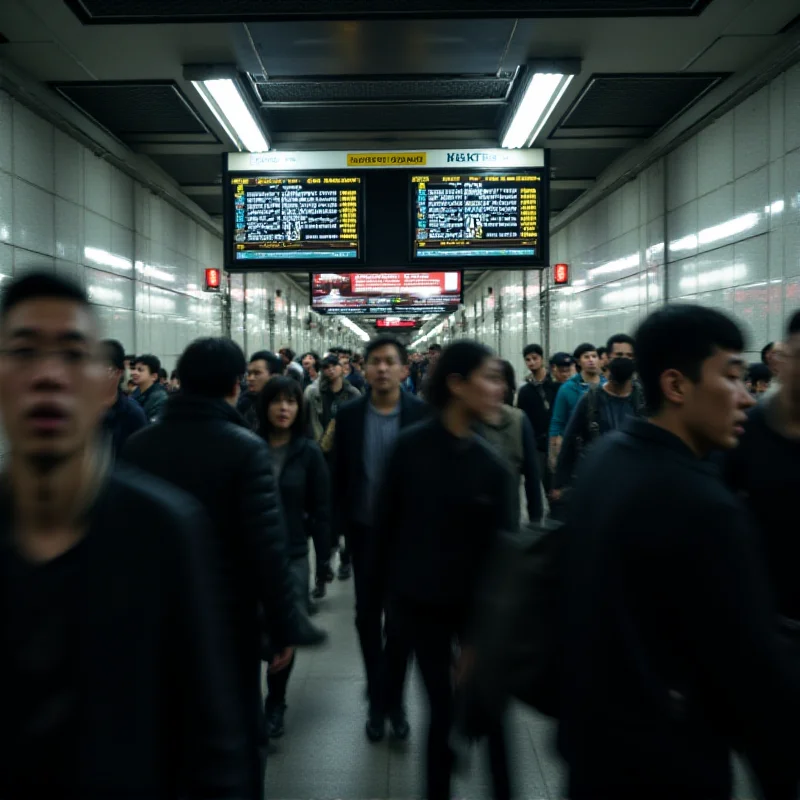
388,312
284,264
541,260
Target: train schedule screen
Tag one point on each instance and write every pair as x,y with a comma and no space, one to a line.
477,216
310,218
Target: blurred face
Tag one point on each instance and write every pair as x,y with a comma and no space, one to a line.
344,359
759,387
790,368
562,374
257,375
332,372
482,391
309,365
385,370
174,384
284,357
142,377
621,350
54,386
602,360
714,408
590,363
533,361
282,412
433,356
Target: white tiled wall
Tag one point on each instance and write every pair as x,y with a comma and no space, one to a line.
141,260
717,221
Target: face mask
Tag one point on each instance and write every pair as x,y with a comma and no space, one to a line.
621,369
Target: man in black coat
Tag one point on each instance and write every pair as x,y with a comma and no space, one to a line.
673,654
115,674
366,429
126,416
204,447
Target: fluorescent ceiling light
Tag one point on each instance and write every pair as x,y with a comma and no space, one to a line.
540,97
224,97
360,332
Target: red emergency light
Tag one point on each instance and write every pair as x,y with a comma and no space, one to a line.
561,274
388,322
213,280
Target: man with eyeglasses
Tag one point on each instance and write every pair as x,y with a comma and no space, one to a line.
114,680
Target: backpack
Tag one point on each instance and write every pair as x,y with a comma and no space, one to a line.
592,424
516,632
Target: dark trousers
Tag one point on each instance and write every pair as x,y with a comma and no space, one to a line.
276,684
386,663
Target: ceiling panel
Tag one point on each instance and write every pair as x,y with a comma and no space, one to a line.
192,170
581,163
104,11
338,91
561,198
383,117
635,101
130,107
375,47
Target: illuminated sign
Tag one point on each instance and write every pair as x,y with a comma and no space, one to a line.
299,217
487,216
561,274
394,322
387,159
385,293
213,280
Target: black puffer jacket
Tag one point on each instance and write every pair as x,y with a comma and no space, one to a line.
203,447
306,499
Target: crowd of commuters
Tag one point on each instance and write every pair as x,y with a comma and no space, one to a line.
155,529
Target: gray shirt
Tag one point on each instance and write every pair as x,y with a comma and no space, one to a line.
380,434
278,459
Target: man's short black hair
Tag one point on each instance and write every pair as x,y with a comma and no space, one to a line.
620,338
38,286
273,362
211,367
173,376
581,349
343,351
533,349
681,337
759,372
114,353
435,347
288,352
153,363
386,341
765,351
162,373
794,324
601,351
460,358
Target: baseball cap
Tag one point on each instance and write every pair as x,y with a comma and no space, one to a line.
561,360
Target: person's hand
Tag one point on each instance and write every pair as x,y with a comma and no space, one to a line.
282,660
555,495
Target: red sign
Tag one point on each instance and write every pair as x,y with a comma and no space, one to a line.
561,274
213,280
390,322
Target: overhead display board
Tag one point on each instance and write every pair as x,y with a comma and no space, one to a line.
380,293
384,211
479,216
296,218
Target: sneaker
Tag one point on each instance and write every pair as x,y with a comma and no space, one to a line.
273,723
320,590
327,574
345,571
399,724
376,726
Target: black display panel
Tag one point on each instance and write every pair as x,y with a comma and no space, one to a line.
479,216
378,293
296,218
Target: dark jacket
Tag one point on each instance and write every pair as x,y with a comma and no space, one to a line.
304,485
355,378
536,400
158,716
765,469
123,419
152,401
246,406
672,649
591,419
347,467
442,503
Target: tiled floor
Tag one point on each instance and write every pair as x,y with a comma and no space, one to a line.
325,753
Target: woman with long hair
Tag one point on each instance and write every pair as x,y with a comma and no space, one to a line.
445,498
304,486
